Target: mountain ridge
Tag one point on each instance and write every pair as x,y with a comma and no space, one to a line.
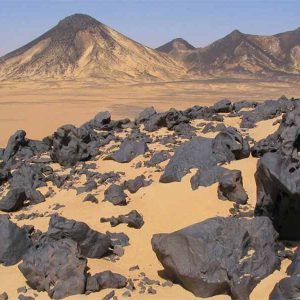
81,47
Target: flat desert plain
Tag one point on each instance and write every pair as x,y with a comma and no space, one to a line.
41,107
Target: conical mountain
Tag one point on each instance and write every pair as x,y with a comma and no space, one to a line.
81,47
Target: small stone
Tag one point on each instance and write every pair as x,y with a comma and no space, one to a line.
23,297
3,296
151,290
167,283
22,289
133,268
130,285
90,198
126,294
109,295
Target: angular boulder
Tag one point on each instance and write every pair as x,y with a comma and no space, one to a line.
14,242
55,266
219,255
205,153
115,194
129,149
70,145
92,244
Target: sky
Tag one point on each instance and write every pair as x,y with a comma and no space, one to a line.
150,22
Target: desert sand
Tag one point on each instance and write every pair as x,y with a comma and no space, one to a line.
165,207
41,107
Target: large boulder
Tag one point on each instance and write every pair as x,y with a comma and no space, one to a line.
289,288
129,149
219,255
285,139
207,176
70,145
14,242
278,192
13,200
91,243
264,111
18,144
55,266
223,106
205,153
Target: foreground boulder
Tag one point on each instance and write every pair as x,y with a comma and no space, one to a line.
289,288
219,255
205,153
278,193
55,266
91,243
14,242
231,187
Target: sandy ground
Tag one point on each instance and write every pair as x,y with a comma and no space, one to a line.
165,208
39,108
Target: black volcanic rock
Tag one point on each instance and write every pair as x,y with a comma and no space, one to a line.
219,255
105,280
231,187
277,177
286,289
129,149
14,200
205,153
115,194
55,266
133,185
157,158
70,145
223,106
207,176
14,242
91,243
133,219
264,111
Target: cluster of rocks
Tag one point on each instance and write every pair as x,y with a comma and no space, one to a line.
217,256
56,261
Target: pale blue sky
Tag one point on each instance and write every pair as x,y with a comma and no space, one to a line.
151,22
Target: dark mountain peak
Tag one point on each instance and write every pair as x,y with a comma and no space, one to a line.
176,44
78,22
235,34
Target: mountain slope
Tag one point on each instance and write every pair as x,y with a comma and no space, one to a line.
81,47
248,54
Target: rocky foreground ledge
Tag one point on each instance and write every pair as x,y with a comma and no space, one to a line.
221,255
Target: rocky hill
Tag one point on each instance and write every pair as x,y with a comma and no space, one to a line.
81,47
